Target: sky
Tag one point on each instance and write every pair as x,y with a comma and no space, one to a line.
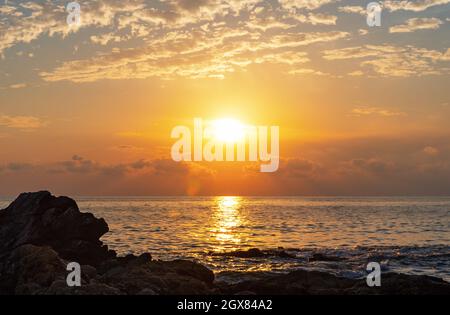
88,109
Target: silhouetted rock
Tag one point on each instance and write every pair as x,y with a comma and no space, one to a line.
160,277
303,282
30,268
192,269
40,234
42,219
322,257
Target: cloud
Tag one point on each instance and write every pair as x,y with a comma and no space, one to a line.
80,165
29,20
18,167
76,157
104,39
353,9
141,164
431,151
362,166
415,24
416,6
127,147
194,39
363,32
17,86
305,4
373,166
169,167
307,71
76,165
21,122
396,61
356,73
320,18
299,167
131,134
350,53
365,111
196,54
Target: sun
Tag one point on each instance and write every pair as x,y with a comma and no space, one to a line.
228,130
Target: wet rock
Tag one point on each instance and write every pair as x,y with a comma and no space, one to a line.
42,219
401,284
191,269
251,253
255,253
137,260
295,283
322,257
302,282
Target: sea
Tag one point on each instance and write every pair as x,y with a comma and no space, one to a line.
408,235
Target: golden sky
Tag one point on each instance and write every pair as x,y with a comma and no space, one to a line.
88,109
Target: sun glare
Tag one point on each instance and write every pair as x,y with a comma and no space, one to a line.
228,130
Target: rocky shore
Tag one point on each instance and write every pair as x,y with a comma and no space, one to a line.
40,234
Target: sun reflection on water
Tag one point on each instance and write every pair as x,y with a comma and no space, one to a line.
226,220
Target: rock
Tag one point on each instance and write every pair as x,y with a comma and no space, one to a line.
132,259
30,268
92,288
145,257
191,269
176,277
40,234
88,272
42,219
147,292
302,282
402,284
255,253
242,293
251,253
322,257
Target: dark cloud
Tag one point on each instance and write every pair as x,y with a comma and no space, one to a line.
169,167
77,158
16,167
141,164
113,170
373,165
78,165
352,167
298,167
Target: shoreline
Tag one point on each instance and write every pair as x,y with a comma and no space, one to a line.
40,234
